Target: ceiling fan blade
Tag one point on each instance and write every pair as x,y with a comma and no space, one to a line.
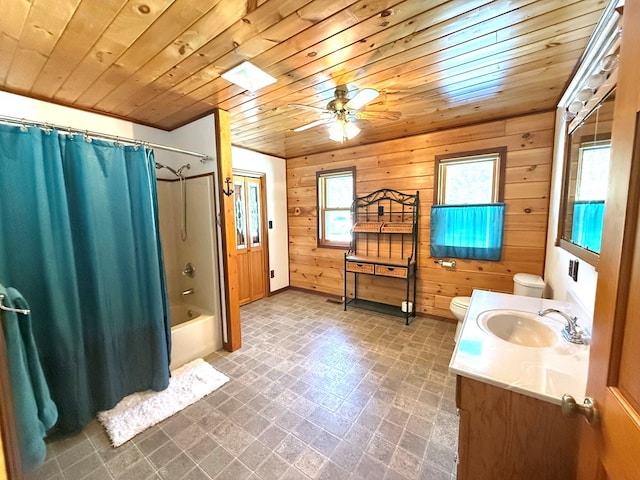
384,115
363,97
307,107
322,121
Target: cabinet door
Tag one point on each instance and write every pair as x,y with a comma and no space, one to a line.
506,435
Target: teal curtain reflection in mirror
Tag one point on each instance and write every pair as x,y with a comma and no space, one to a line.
467,231
79,237
586,229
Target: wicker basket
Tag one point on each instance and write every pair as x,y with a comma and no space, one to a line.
367,227
387,271
397,227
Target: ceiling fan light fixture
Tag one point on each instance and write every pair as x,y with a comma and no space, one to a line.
248,76
342,130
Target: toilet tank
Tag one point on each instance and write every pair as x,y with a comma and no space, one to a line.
528,285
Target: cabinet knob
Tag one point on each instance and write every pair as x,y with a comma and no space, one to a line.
588,409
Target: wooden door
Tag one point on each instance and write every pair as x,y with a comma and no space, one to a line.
611,449
10,465
3,467
250,238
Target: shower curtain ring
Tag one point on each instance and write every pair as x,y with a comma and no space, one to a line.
229,191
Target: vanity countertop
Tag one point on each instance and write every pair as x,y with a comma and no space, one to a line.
542,373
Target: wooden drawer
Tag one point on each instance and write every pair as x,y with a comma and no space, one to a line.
400,272
359,267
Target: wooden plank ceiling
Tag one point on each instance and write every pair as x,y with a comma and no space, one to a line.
440,63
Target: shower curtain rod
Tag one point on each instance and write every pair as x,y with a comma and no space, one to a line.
101,136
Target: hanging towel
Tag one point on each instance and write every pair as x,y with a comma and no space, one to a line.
34,410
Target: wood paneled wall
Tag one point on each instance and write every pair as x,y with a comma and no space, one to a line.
407,165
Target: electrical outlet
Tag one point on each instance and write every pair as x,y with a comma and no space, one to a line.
574,275
571,267
273,274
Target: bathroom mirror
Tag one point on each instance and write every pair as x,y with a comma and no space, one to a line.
585,180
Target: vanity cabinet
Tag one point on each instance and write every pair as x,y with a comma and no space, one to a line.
384,244
507,435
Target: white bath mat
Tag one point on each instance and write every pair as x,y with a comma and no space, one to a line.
139,411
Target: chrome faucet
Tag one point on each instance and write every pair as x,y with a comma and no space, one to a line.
188,292
571,332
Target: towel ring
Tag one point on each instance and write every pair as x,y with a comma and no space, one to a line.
23,311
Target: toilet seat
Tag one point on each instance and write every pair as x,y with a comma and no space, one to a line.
461,302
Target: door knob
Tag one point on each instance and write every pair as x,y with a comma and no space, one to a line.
588,409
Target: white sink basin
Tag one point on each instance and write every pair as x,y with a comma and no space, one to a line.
519,328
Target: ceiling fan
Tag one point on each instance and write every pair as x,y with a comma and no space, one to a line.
342,111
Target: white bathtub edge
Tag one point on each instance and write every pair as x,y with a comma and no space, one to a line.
193,339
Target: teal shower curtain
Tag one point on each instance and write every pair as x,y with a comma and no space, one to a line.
79,237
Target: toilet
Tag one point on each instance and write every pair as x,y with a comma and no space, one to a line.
524,284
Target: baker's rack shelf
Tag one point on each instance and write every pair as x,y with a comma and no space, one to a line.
384,243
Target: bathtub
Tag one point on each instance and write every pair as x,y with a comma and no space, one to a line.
194,334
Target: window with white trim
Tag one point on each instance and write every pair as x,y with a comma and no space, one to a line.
336,190
469,180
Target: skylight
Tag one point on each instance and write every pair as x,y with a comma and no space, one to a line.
248,76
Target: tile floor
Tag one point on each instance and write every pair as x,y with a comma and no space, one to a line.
315,393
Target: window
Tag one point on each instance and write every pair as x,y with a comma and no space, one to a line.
469,180
335,195
591,191
467,217
593,171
